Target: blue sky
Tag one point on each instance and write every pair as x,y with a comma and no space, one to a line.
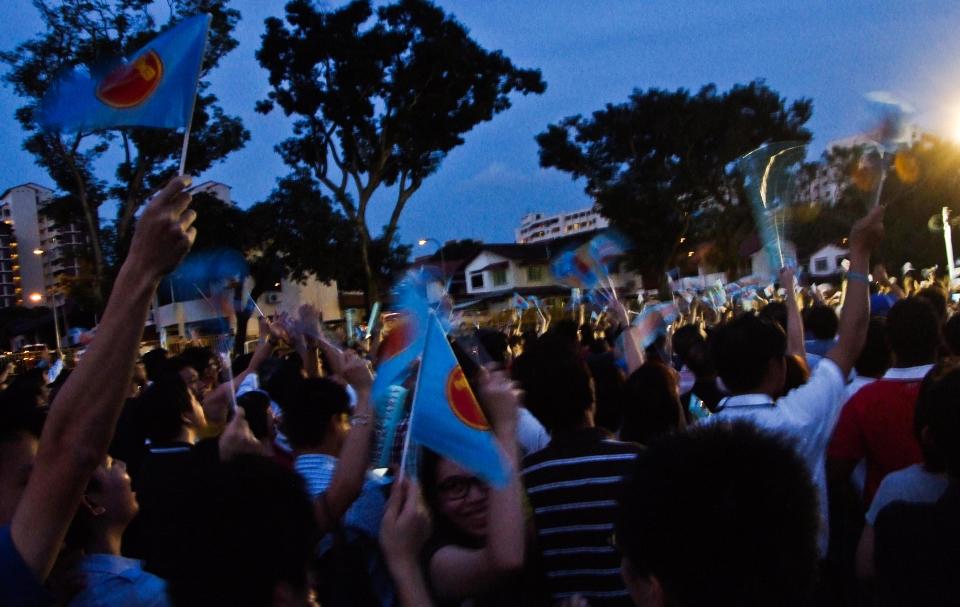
593,53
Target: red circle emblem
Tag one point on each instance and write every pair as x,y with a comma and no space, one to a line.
131,84
462,401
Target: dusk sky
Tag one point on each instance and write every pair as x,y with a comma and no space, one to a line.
593,53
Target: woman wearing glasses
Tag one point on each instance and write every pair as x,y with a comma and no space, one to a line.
477,548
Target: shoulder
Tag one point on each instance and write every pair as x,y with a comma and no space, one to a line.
18,584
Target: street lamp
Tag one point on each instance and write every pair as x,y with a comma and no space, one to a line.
37,297
443,263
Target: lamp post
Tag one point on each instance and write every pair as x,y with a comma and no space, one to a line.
37,297
443,263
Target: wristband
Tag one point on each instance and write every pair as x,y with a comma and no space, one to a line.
858,277
359,420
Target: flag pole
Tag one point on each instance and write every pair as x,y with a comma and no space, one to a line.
193,103
413,403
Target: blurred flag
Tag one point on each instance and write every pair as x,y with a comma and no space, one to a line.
668,312
445,416
155,88
517,302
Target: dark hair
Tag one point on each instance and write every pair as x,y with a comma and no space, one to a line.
775,311
757,544
700,361
938,411
256,410
162,406
155,362
913,332
252,527
951,334
685,338
307,414
198,357
556,384
28,385
874,359
177,364
743,348
820,321
937,299
652,405
495,343
19,416
608,384
240,363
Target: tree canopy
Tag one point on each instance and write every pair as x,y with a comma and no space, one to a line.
662,161
380,97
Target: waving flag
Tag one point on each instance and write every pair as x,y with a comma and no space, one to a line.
445,416
517,302
155,88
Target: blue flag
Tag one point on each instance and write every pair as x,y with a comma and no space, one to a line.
155,88
445,416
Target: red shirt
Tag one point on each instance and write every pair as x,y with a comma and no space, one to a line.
876,424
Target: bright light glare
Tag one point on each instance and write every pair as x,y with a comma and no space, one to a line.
35,297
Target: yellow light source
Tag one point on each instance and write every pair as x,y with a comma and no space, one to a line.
38,251
689,253
36,297
422,241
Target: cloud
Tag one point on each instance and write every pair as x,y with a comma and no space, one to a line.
497,174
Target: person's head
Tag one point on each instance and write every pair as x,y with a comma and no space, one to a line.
951,334
557,385
775,311
188,374
456,497
155,363
652,405
249,541
758,541
257,412
937,299
31,385
937,419
317,417
700,361
204,361
20,425
685,338
108,505
820,321
875,358
913,332
749,354
171,412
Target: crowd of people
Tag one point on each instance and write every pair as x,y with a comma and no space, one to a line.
806,453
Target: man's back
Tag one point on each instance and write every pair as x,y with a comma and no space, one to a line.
877,425
573,487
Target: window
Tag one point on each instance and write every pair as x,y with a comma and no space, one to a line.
820,264
534,273
476,280
499,277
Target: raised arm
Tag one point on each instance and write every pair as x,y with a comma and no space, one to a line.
354,458
795,344
403,533
461,572
83,416
865,235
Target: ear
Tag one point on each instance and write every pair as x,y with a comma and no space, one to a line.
92,508
645,590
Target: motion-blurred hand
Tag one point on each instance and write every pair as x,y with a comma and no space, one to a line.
165,232
499,395
867,232
406,524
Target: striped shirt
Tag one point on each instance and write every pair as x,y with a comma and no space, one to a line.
574,487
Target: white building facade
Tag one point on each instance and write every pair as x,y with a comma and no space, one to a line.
537,227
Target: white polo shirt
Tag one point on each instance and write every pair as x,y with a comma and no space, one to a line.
807,414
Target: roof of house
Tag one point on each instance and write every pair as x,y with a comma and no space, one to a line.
535,252
29,184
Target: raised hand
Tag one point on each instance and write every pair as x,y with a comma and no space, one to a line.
165,232
867,232
406,523
237,438
356,371
499,396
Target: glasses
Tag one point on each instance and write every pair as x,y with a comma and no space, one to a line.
457,487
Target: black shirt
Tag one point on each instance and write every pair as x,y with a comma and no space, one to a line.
917,551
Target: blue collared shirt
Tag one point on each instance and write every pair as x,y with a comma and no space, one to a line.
111,580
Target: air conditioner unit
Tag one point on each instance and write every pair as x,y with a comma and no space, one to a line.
274,297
